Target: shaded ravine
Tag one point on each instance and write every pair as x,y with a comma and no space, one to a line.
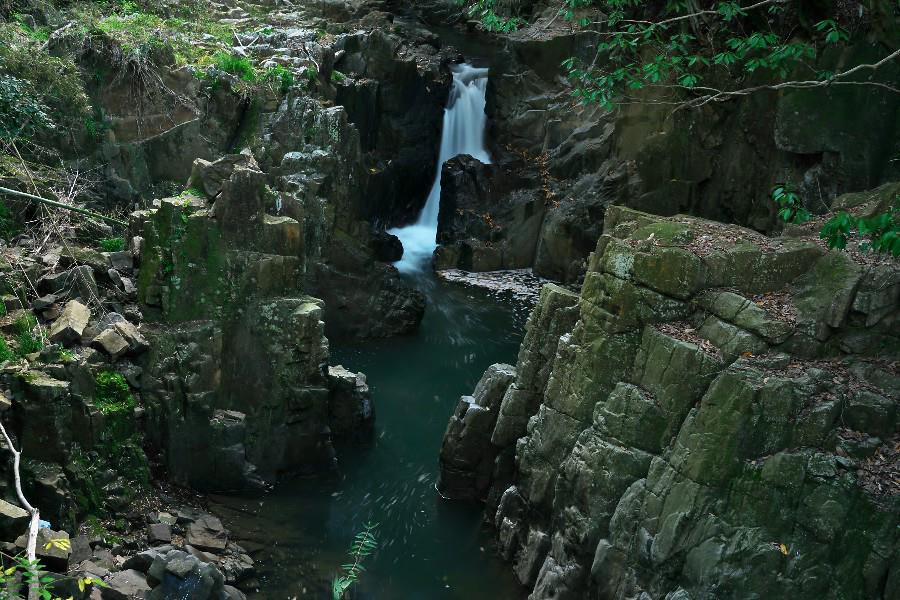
430,548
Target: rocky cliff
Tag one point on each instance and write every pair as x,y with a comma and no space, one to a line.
719,161
715,415
258,150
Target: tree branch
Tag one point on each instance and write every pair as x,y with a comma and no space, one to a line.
68,207
34,524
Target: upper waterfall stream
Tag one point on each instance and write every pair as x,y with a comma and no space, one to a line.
462,133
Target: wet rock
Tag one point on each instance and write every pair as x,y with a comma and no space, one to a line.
350,404
68,328
489,218
467,456
386,247
177,574
125,585
207,533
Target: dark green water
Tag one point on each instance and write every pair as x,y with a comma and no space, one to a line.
430,549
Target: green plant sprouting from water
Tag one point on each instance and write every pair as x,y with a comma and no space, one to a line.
364,544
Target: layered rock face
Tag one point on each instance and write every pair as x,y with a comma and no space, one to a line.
237,385
716,415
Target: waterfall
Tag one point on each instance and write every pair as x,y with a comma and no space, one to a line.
463,133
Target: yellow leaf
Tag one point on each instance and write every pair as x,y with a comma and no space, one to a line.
783,548
9,571
81,585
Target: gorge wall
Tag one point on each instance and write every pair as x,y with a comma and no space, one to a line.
197,354
714,415
560,164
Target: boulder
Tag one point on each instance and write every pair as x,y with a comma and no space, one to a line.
78,281
119,336
467,455
121,261
53,556
112,343
44,302
125,585
350,405
68,328
142,560
207,533
208,176
13,520
386,247
159,533
177,574
136,342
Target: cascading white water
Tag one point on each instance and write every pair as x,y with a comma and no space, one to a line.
463,133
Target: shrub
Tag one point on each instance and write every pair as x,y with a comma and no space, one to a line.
116,244
5,353
112,394
310,74
28,342
881,231
21,112
280,76
37,88
337,76
790,205
239,66
8,227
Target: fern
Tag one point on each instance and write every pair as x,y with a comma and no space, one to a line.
363,545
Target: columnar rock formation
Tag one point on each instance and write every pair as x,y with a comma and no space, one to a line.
237,385
722,418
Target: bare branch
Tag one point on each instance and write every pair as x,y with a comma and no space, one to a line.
31,545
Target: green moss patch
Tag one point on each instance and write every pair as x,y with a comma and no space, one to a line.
113,395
